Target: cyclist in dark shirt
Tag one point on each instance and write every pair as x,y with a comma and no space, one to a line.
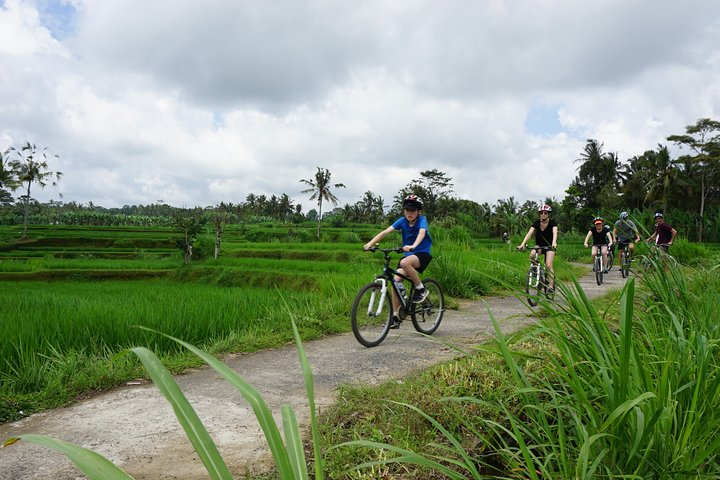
664,234
602,238
546,233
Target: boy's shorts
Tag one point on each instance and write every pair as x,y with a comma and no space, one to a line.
424,261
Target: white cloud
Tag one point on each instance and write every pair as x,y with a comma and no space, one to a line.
200,102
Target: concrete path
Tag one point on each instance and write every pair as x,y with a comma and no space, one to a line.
135,427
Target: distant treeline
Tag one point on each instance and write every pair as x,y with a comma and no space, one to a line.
686,189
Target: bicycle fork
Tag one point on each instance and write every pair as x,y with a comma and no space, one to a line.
375,310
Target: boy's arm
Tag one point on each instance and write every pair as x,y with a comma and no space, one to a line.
587,237
674,232
418,240
555,234
378,237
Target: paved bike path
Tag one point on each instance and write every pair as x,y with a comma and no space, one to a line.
135,427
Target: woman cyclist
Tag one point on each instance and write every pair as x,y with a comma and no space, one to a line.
602,238
546,233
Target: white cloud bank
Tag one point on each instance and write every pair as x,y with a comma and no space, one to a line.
194,103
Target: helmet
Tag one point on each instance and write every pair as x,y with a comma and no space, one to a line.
658,215
623,215
597,220
413,202
545,208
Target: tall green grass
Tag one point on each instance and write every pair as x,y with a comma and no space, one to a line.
64,318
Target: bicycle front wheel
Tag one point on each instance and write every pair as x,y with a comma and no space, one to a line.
426,316
625,263
532,285
371,315
598,270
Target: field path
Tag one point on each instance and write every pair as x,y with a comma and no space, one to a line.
135,427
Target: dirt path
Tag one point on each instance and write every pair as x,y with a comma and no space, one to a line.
135,427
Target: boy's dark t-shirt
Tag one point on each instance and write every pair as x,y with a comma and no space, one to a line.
543,238
664,233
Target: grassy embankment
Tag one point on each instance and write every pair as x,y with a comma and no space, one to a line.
626,386
73,296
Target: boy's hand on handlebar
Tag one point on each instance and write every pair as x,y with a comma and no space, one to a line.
408,248
586,245
520,248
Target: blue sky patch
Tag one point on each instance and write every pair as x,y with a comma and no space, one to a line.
58,16
542,119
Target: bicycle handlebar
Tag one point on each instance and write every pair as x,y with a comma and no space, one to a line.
536,247
385,250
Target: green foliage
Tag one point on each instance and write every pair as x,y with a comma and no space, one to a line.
689,253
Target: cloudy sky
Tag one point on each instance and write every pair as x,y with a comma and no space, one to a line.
196,102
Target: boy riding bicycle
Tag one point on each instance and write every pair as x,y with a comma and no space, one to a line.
416,247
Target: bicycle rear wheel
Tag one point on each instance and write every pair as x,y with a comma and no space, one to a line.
610,260
544,279
426,316
625,263
532,285
371,315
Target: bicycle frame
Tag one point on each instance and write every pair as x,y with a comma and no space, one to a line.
371,325
388,276
598,264
537,276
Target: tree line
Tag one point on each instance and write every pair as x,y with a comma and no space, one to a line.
685,188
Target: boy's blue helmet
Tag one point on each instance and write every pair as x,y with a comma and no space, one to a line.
413,202
624,215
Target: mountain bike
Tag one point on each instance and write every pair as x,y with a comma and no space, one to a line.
656,256
372,310
624,258
598,266
536,280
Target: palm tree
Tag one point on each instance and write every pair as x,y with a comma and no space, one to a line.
31,167
320,189
664,177
7,178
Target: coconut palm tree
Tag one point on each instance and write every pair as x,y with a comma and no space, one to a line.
32,167
320,189
8,182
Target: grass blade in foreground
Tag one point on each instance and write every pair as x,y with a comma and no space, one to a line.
310,388
186,415
92,464
257,403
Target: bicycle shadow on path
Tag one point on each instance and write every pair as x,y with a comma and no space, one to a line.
136,428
